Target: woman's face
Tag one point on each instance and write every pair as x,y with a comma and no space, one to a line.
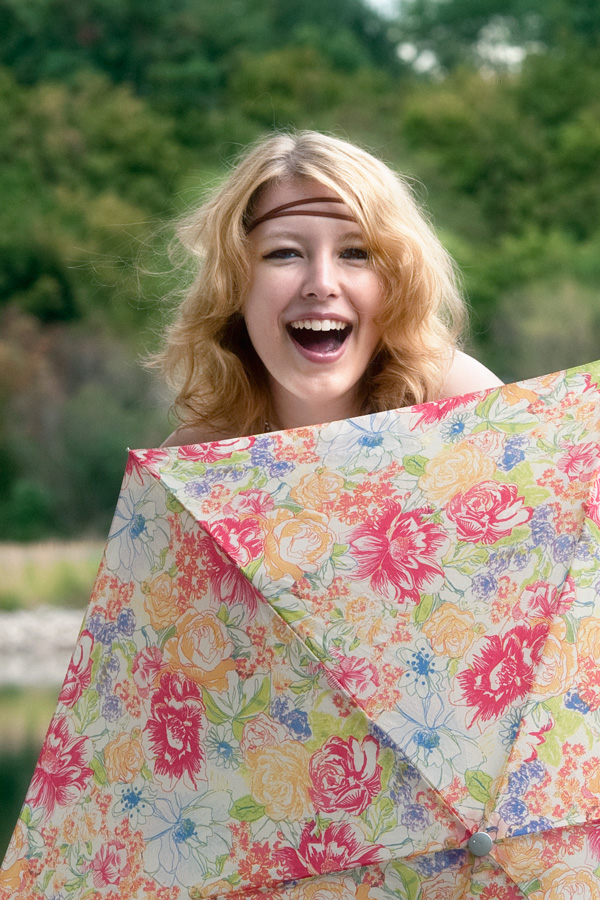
312,305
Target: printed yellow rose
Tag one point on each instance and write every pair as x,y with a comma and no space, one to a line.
280,780
160,600
588,637
15,863
82,826
318,488
520,856
123,757
566,883
453,470
558,666
340,889
450,631
512,393
592,780
296,543
201,649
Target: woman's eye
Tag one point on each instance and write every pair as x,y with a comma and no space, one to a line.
358,253
281,253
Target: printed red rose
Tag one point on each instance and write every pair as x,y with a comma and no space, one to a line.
228,582
174,732
110,864
239,538
262,731
400,553
504,670
214,450
593,503
140,462
437,410
335,848
146,668
345,774
487,512
79,673
580,462
62,771
253,504
543,600
355,675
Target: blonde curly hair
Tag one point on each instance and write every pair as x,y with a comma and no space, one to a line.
208,358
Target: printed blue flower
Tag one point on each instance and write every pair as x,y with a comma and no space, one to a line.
112,708
513,811
434,863
126,622
574,701
484,586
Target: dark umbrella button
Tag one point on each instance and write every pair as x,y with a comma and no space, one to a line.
480,843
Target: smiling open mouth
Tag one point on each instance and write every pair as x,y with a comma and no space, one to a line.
319,335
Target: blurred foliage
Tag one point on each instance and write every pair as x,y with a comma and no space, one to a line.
117,114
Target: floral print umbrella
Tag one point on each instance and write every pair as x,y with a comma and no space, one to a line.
351,661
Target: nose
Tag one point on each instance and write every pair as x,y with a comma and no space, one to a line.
321,278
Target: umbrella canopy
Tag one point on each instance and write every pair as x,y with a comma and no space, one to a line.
355,660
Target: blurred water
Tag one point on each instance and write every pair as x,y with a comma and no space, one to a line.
36,645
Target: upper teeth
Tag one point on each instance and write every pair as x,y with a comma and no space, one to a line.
319,324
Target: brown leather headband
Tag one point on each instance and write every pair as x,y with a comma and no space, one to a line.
288,209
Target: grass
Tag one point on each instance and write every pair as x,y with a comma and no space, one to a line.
51,573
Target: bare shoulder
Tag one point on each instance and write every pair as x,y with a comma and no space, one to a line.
466,375
192,434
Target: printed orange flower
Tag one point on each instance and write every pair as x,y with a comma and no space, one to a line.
588,637
455,470
160,600
450,631
280,780
325,889
317,489
520,856
558,665
123,757
296,543
564,882
201,649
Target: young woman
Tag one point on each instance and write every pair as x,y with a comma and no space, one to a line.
321,293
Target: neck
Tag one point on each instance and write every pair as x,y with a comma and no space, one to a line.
293,412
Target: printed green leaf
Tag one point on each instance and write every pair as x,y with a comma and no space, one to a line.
324,725
478,785
252,568
173,504
532,887
100,776
424,609
291,615
355,725
409,879
213,713
258,703
415,465
339,550
566,721
550,751
246,809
